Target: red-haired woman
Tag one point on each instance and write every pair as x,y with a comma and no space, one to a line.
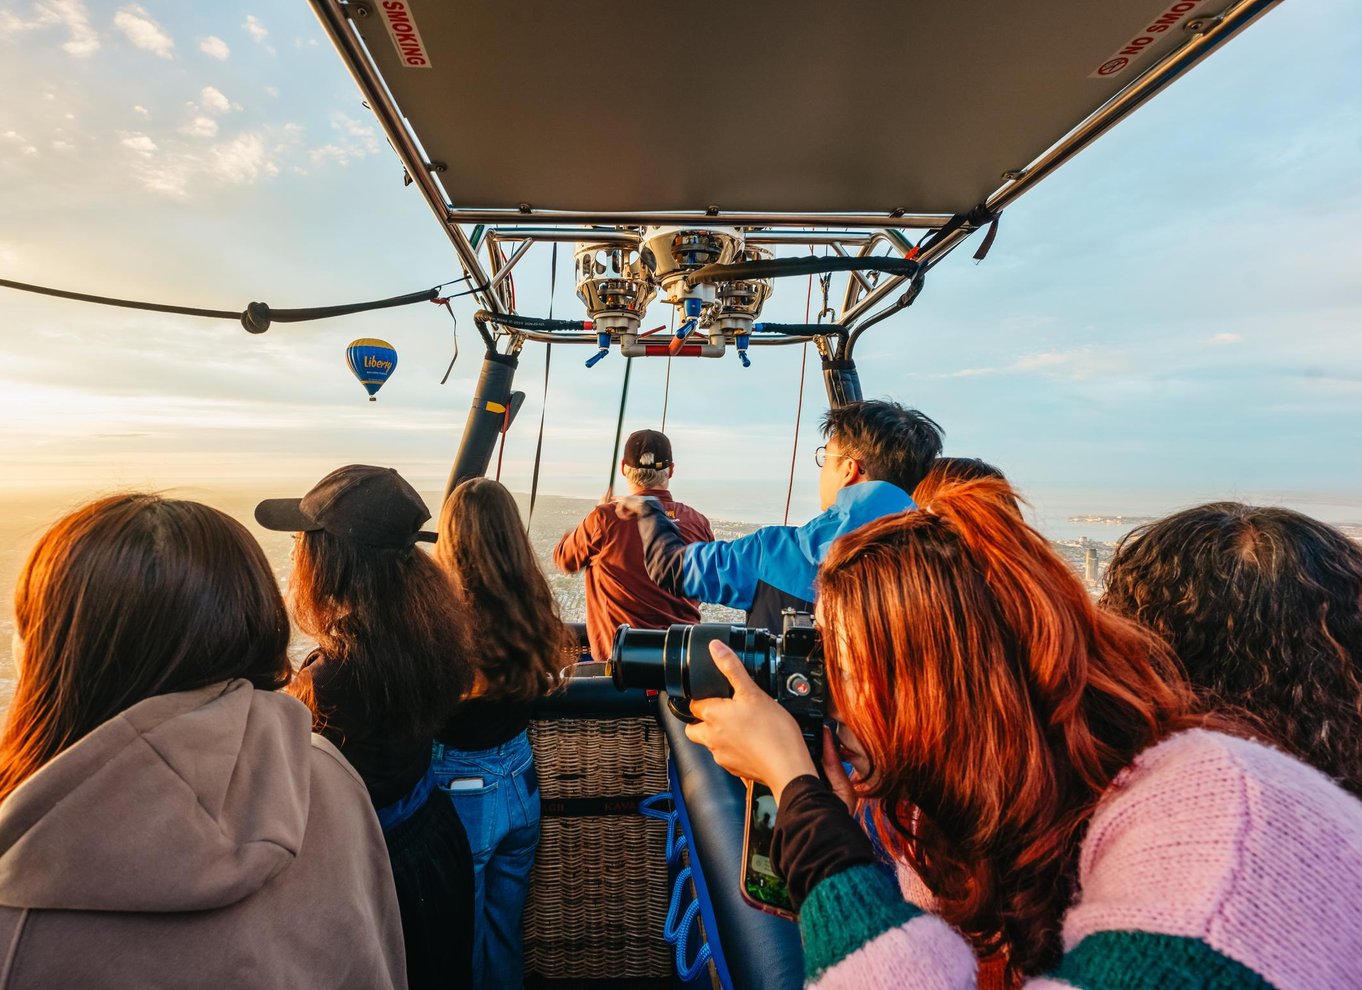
1041,776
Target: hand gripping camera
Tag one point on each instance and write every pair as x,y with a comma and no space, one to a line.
788,667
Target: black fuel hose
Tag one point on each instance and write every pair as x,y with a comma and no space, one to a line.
528,322
782,267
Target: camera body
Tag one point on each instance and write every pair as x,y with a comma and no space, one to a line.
789,666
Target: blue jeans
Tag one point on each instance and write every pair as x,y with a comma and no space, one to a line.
496,793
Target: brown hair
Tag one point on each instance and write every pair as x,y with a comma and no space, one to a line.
130,597
390,618
484,547
1263,606
995,703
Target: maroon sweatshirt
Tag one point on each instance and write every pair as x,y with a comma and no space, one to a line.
618,589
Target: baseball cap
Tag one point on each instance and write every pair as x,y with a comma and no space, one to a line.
374,506
648,449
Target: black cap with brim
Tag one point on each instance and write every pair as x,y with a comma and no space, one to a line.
359,503
285,515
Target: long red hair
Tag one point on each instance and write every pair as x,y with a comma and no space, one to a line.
995,703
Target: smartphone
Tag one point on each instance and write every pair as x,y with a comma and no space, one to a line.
761,888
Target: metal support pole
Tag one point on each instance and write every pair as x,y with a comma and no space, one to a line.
842,381
486,417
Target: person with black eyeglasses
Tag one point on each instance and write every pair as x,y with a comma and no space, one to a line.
875,454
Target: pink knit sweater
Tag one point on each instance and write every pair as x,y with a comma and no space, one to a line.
1211,862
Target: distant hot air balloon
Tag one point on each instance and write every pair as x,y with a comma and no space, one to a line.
372,361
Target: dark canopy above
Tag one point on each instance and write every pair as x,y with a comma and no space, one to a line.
793,106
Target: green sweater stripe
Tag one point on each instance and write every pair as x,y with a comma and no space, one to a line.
846,911
1135,960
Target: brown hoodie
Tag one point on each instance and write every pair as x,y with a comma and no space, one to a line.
199,839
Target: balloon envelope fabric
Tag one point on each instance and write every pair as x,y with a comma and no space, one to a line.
372,361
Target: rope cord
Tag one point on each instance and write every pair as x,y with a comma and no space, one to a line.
799,405
619,429
256,317
544,403
445,301
667,387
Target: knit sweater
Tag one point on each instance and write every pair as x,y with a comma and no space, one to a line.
1211,862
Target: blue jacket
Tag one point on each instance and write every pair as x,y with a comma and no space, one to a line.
770,569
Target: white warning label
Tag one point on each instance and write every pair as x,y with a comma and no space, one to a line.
1170,19
406,39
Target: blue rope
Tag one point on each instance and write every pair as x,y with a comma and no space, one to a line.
688,973
676,841
670,930
677,932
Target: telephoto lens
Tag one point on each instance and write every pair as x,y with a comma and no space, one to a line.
677,660
788,667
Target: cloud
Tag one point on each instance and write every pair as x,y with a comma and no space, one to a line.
143,31
201,127
24,145
242,160
329,152
70,14
197,162
255,29
1077,363
356,140
138,108
1226,338
215,47
140,143
212,100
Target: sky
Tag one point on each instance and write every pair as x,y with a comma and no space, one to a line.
1172,316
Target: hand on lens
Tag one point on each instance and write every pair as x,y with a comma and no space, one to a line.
629,506
750,735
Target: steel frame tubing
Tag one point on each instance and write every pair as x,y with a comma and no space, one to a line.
334,20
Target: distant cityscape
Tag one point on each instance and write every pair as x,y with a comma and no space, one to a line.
554,516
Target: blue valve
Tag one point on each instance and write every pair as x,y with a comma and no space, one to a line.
693,307
603,342
683,331
742,340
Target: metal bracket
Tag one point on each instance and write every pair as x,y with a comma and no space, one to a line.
1200,25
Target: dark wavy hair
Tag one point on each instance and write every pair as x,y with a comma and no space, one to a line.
995,703
1264,608
892,443
523,646
391,618
130,597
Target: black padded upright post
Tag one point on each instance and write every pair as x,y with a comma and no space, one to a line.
486,417
842,381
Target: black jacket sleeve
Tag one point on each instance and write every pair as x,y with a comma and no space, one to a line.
664,549
815,837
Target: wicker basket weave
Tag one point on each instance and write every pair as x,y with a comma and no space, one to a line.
598,896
